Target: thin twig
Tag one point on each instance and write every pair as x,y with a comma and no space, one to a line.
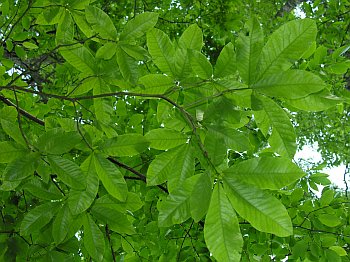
22,111
110,242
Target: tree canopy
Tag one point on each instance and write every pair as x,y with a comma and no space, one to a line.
166,130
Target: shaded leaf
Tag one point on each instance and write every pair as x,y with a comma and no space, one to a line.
163,138
93,239
221,229
261,210
111,178
69,172
266,172
125,145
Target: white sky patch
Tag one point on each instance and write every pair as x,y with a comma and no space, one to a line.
299,12
309,153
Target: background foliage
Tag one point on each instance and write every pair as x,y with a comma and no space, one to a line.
166,130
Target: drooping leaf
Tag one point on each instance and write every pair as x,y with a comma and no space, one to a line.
116,220
138,26
315,102
81,200
126,145
79,57
221,229
94,241
101,106
261,210
65,30
163,138
21,167
101,22
40,190
37,218
57,142
68,171
128,66
330,220
111,177
174,165
61,224
10,151
266,172
232,138
286,44
155,84
200,197
12,129
176,208
292,84
162,50
248,50
283,138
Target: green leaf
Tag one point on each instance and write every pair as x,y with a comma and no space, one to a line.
138,26
339,250
226,63
249,49
57,142
82,23
162,50
316,102
116,221
175,165
285,45
329,220
30,45
128,66
21,167
261,210
221,229
37,218
111,178
65,30
107,51
135,51
42,191
12,129
101,23
155,84
266,172
292,84
79,57
69,172
233,139
200,65
79,201
176,208
192,38
50,16
101,106
94,241
61,224
182,64
200,197
283,138
125,145
163,138
10,151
